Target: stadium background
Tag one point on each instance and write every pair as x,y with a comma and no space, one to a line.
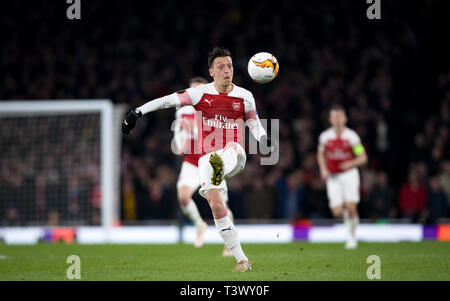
392,75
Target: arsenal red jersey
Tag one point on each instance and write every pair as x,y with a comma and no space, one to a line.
338,149
186,134
220,117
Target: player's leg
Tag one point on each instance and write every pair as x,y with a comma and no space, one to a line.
188,182
341,211
351,224
188,206
335,196
335,192
226,251
352,196
226,229
337,210
227,162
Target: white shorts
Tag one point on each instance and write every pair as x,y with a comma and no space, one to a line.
189,176
206,170
343,188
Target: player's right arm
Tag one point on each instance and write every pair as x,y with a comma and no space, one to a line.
254,124
324,172
190,96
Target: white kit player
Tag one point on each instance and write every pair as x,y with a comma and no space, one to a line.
339,154
185,136
222,111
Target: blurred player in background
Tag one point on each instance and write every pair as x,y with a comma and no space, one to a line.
225,109
185,136
339,153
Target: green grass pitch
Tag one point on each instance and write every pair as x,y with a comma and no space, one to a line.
271,262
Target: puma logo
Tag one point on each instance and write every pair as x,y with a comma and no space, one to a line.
209,101
229,228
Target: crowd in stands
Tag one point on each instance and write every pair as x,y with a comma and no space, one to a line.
49,170
328,53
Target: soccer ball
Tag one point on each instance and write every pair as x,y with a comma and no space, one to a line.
263,67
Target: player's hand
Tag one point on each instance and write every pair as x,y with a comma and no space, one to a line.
324,174
130,121
267,146
346,165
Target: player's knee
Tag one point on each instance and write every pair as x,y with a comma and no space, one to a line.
184,197
337,212
236,147
352,210
184,201
232,145
216,203
217,206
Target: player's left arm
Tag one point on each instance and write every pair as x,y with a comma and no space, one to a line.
254,124
360,155
359,152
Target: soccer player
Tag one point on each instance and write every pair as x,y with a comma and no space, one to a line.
189,179
339,154
221,110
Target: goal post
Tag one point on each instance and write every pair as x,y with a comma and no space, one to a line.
67,142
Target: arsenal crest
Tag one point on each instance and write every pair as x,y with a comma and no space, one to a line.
236,106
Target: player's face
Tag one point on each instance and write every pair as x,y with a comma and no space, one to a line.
338,119
222,71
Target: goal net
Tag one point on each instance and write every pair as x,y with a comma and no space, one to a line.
58,163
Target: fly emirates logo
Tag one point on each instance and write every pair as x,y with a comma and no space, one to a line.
339,154
221,122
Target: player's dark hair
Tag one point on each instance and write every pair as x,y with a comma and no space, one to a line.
337,107
217,52
198,79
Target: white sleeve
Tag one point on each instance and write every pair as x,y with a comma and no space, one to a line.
190,96
252,119
354,139
164,102
256,128
195,94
